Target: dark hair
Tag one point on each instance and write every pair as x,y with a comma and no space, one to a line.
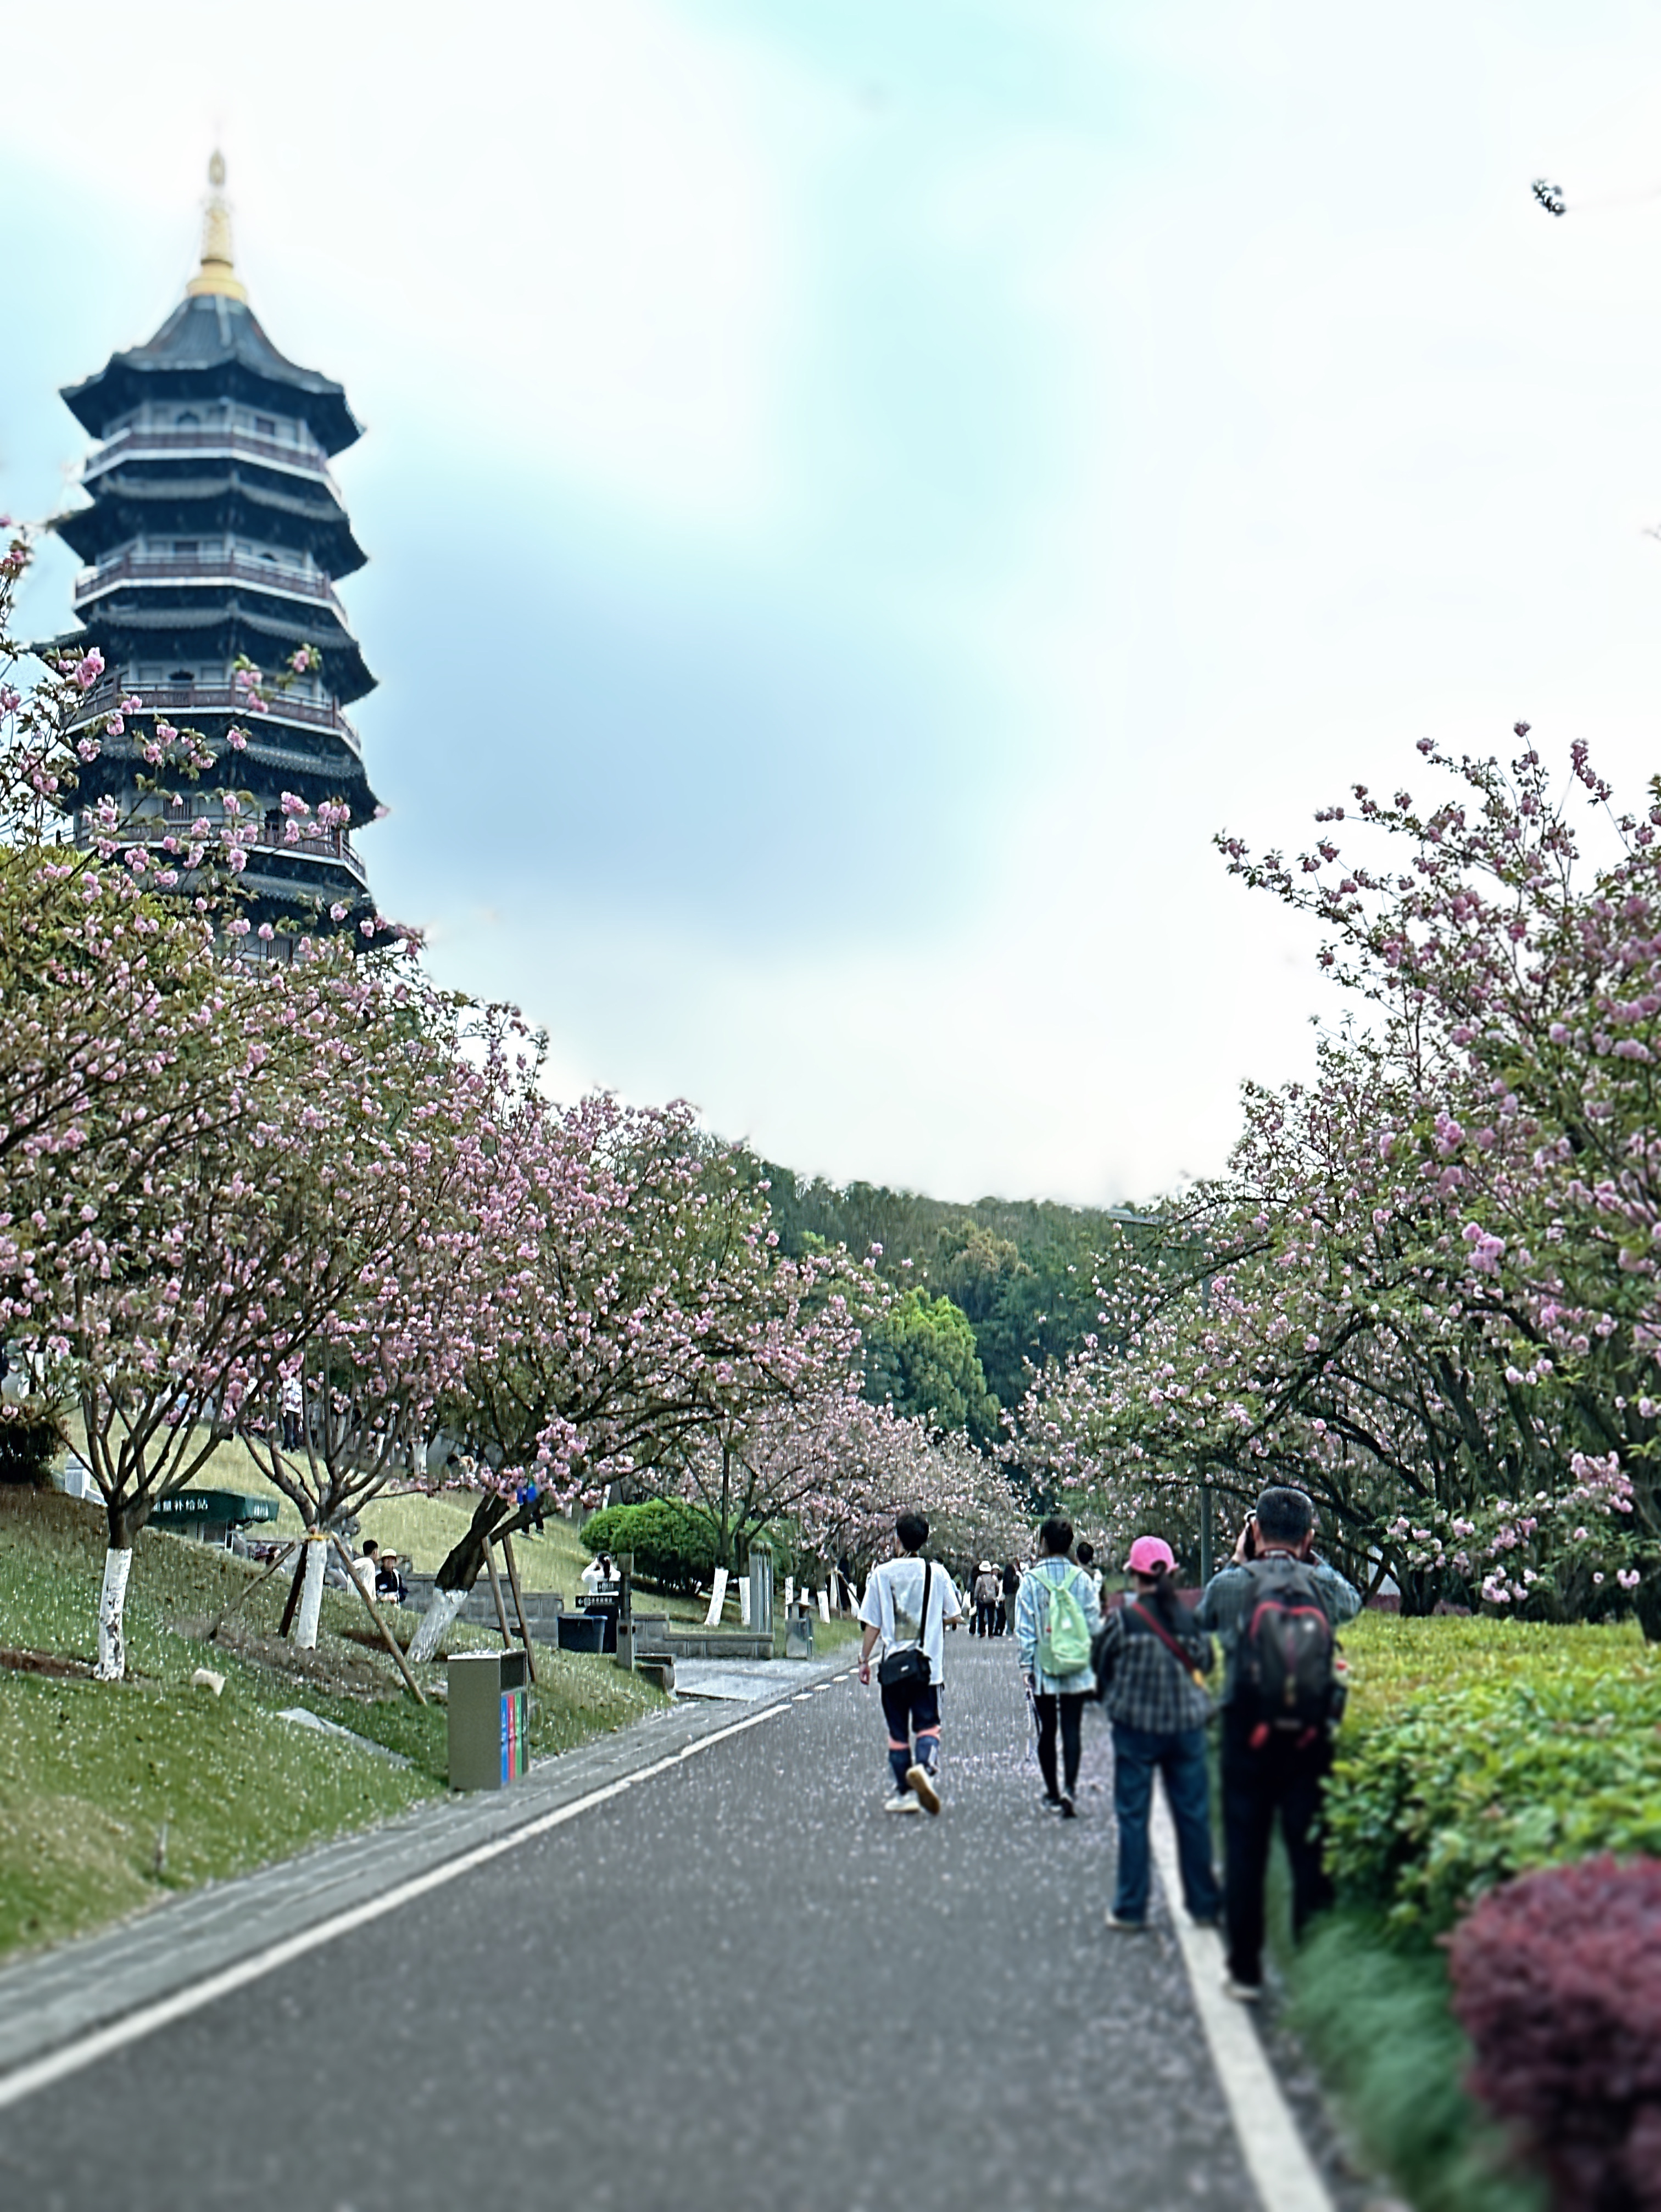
1056,1537
1085,1555
912,1530
370,1547
1284,1516
1163,1600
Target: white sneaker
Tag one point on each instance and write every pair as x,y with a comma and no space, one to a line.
923,1781
1242,1992
898,1803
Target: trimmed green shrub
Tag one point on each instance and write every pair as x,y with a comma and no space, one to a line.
674,1545
1557,1981
1475,1750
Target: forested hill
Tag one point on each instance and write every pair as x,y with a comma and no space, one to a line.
1019,1269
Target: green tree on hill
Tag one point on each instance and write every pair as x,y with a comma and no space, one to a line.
921,1355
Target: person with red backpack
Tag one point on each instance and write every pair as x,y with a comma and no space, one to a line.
1273,1610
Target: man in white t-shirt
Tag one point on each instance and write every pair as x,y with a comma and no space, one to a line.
908,1602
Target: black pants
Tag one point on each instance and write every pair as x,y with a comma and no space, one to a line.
986,1619
1070,1712
1256,1785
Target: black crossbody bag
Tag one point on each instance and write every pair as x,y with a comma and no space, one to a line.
907,1665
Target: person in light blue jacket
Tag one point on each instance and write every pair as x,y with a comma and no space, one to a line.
1057,1698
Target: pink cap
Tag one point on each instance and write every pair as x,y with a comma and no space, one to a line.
1148,1554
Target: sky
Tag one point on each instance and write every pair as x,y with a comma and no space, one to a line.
857,495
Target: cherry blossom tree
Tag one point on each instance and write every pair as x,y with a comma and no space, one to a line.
637,1302
384,1280
1427,1292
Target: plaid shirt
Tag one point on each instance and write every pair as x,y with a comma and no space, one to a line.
1142,1685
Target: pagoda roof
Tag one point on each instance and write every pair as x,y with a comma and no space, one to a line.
214,345
127,502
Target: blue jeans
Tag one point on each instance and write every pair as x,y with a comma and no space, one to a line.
1179,1755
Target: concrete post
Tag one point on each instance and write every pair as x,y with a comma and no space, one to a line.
761,1592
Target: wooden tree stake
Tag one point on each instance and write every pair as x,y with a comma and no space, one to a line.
496,1592
519,1605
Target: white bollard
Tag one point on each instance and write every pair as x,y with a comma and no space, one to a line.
825,1607
744,1601
717,1600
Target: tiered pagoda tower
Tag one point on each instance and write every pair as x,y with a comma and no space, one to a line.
216,531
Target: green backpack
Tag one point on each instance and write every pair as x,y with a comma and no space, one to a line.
1063,1632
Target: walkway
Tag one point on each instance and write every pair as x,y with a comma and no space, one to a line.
735,1986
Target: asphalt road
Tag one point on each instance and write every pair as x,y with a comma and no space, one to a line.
740,1985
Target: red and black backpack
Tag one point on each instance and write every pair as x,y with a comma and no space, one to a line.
1287,1678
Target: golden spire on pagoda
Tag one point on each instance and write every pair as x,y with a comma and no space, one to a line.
216,274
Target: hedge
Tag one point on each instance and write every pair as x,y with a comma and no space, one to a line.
1477,1749
674,1545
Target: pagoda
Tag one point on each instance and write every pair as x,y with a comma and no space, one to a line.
214,537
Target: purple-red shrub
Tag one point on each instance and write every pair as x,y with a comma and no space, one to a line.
1557,1982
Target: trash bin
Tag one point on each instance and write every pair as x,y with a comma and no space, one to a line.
605,1607
581,1632
490,1719
799,1632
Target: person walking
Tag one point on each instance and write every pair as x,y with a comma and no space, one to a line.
1274,1609
1086,1556
1012,1583
986,1600
906,1604
1056,1617
1151,1663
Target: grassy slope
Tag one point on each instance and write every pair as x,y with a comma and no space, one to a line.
91,1773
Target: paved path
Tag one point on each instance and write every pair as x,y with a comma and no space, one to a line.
738,1985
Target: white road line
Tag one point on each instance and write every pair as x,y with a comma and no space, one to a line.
1282,2170
57,2065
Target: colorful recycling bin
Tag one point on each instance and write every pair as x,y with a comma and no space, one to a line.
490,1719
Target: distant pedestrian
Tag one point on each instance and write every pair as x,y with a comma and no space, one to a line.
1056,1617
1151,1663
1086,1556
294,1410
986,1593
1012,1583
367,1567
907,1603
1275,1609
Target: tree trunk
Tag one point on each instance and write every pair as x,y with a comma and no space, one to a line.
441,1610
1646,1603
461,1570
294,1585
111,1603
311,1595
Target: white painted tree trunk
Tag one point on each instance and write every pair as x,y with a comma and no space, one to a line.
111,1605
441,1610
311,1595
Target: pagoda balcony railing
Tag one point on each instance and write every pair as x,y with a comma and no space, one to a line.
135,442
333,846
132,568
187,699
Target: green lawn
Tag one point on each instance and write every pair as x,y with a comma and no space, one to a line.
115,1794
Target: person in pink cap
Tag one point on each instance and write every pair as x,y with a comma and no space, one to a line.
1151,1664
